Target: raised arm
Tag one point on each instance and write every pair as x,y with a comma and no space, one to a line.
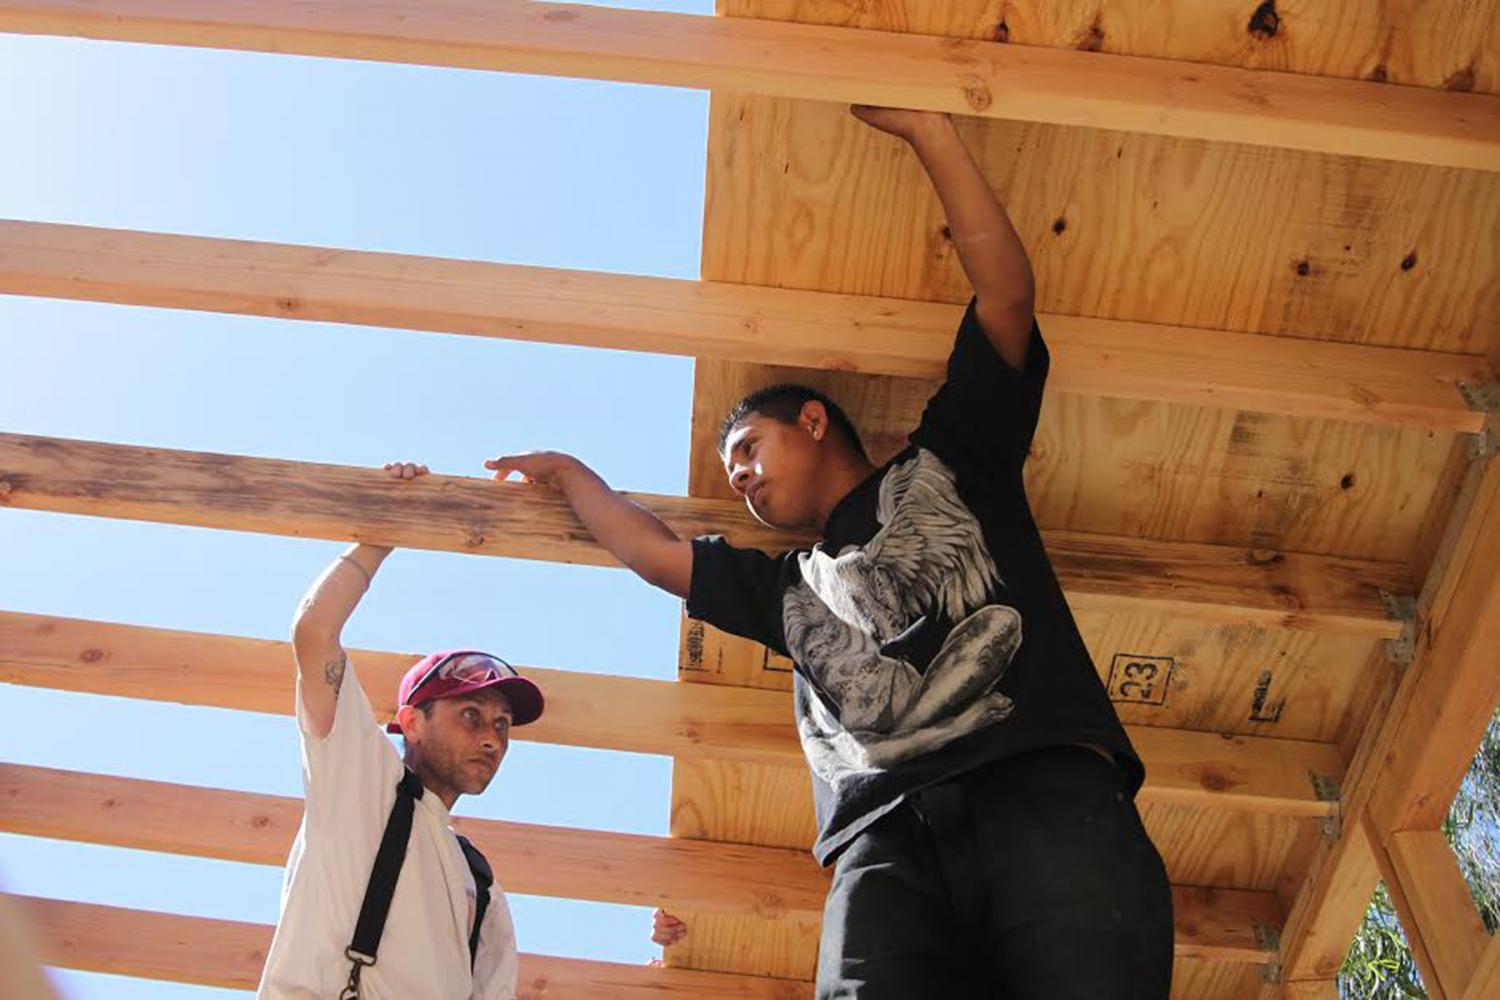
991,252
318,625
634,535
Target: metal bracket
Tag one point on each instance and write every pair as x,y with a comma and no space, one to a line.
1486,399
1402,649
1327,789
1268,938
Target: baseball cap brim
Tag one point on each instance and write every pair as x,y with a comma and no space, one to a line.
525,698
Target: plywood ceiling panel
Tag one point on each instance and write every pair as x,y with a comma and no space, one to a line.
1118,225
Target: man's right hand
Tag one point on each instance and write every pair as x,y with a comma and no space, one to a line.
666,929
544,467
636,537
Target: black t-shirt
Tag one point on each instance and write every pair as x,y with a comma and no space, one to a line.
928,629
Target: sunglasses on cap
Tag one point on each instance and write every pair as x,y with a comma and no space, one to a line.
466,668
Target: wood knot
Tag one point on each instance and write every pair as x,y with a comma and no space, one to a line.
1379,74
1462,81
1304,267
1002,31
474,539
1060,225
976,92
1347,482
1265,22
770,905
1213,781
1092,40
260,821
288,304
110,804
959,51
91,655
1409,261
560,15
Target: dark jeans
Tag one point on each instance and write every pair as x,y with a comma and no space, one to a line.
1028,879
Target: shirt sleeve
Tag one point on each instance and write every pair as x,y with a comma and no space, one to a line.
737,590
985,412
352,770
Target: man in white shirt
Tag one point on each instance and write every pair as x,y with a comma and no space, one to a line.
455,710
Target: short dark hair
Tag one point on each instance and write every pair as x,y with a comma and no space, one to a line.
784,403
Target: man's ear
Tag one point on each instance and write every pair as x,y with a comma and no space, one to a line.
814,419
410,720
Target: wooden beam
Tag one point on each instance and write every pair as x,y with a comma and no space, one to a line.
1435,907
1250,773
1415,932
1062,86
1486,982
1322,921
1100,572
677,873
866,334
1223,924
230,954
341,503
1454,684
603,711
1413,758
537,860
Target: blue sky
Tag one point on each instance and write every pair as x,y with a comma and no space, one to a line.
457,164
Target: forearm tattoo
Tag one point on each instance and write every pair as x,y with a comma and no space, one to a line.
333,671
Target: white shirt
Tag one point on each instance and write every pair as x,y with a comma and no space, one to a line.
349,778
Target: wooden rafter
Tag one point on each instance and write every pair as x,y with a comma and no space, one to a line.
1415,757
867,334
1159,96
1436,911
230,954
1186,767
1486,981
539,860
680,873
1099,572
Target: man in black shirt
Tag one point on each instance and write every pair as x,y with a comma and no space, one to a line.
973,785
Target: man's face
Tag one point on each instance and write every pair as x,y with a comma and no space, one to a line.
774,465
463,742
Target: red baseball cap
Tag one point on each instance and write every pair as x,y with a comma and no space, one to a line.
452,672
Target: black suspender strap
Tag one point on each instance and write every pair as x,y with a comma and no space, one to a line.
378,894
484,877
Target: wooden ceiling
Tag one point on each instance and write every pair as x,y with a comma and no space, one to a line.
1255,436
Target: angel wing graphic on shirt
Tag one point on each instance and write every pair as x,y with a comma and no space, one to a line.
866,710
928,556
